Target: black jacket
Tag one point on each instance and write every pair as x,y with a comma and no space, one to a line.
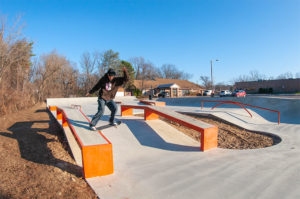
109,89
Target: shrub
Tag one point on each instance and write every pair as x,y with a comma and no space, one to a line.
265,90
270,90
137,92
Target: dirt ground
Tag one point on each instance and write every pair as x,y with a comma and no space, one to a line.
35,162
229,136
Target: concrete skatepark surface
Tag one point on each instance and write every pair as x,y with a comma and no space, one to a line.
154,160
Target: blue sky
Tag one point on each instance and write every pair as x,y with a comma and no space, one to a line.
245,35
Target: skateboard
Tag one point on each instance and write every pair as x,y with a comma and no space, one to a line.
108,125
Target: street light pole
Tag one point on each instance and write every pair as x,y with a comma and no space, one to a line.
211,75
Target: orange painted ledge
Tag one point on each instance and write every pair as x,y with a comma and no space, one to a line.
209,136
97,160
149,115
52,108
126,111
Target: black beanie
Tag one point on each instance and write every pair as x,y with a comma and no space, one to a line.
111,72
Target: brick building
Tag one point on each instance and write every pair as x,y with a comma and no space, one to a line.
277,86
175,87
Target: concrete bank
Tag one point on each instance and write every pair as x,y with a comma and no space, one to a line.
289,108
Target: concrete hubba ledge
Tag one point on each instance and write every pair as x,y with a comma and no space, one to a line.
92,151
84,100
209,133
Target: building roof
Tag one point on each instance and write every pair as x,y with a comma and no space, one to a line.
120,89
183,84
167,85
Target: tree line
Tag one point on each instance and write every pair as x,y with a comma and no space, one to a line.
253,75
26,79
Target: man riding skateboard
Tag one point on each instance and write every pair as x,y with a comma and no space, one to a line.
108,86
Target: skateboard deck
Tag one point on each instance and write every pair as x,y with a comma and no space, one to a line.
108,126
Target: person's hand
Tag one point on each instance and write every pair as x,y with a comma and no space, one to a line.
124,69
87,94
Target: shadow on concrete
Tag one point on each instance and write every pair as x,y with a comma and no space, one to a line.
33,144
104,118
148,137
80,124
141,130
86,125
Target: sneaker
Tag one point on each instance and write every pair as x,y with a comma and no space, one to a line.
93,128
113,123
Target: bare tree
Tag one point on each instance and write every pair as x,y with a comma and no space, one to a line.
54,76
206,82
170,71
253,76
186,76
88,65
69,78
241,78
144,70
137,63
98,58
150,72
15,50
297,75
287,75
15,54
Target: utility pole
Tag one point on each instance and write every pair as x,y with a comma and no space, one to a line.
211,75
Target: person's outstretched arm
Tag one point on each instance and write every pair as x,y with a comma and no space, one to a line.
124,79
96,87
125,75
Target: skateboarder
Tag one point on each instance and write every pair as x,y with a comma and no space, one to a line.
108,86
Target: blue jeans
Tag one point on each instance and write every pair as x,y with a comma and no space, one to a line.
101,106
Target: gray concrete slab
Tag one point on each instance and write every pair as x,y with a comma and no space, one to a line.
153,160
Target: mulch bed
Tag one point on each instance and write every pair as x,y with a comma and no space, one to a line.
229,136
